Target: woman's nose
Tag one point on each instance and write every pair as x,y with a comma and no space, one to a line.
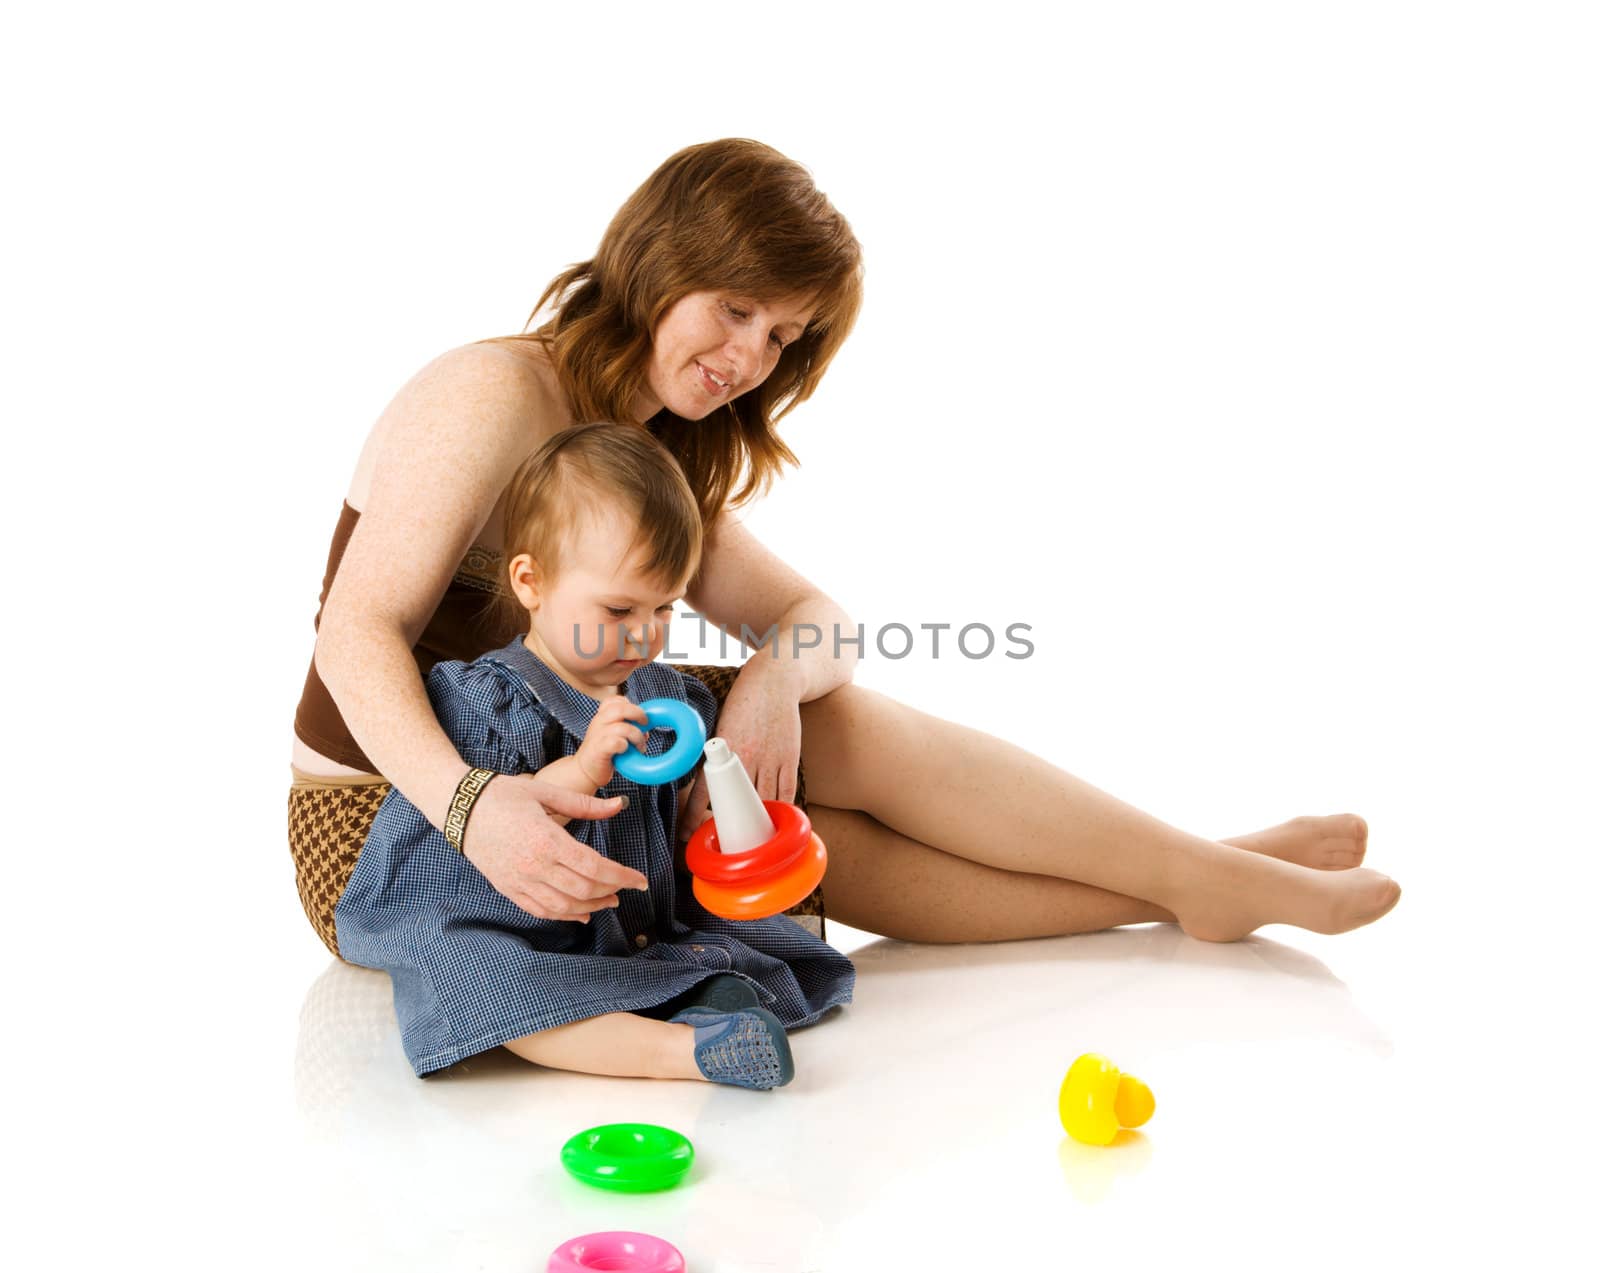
744,352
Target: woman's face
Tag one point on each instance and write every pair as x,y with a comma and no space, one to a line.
711,347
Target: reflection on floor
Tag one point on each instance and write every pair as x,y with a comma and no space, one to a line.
921,1124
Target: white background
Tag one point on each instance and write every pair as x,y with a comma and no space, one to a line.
1246,351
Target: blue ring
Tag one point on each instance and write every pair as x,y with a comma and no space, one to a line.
677,760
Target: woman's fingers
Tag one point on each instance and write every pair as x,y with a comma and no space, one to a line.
765,778
770,781
544,900
774,777
536,863
580,889
596,875
557,905
694,812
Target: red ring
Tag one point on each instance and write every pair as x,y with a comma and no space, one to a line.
763,898
791,837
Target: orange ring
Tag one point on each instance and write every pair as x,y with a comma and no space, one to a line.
757,899
790,838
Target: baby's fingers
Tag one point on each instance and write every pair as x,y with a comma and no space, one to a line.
617,736
622,707
616,744
635,736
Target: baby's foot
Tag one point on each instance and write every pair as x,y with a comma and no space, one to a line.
1226,907
1334,843
720,994
747,1048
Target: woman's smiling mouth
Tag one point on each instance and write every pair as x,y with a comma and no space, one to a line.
714,385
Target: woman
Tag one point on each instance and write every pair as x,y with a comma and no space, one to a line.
714,304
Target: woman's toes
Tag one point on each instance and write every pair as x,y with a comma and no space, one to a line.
1369,896
1336,842
1349,846
1384,896
1331,842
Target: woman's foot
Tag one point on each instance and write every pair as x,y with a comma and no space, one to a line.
1229,897
1337,842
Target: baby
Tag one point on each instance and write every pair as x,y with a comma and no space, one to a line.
602,535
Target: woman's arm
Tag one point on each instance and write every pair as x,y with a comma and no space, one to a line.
742,582
448,444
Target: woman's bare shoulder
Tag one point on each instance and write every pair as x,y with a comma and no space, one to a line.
520,355
516,377
487,393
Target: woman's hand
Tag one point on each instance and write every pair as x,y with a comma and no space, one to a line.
610,734
761,722
535,863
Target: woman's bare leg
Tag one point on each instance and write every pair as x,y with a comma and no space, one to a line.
618,1043
881,881
979,798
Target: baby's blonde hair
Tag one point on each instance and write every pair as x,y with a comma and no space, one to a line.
598,464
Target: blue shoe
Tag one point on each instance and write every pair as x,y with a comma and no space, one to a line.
720,994
747,1048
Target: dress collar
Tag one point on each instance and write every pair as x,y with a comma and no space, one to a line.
573,708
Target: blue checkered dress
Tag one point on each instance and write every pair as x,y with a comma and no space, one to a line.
471,970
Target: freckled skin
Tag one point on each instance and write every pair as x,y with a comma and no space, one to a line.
738,338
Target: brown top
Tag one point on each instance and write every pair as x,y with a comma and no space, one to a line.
464,626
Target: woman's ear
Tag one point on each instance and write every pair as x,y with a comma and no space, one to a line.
526,580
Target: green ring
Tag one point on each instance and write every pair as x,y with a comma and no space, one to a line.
628,1157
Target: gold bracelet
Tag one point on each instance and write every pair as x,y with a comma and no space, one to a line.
467,792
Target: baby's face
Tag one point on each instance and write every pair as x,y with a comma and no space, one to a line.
602,616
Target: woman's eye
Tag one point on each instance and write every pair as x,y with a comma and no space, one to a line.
735,311
778,342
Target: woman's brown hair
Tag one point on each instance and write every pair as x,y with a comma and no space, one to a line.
731,215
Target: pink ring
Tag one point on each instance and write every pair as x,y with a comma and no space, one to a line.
791,837
616,1249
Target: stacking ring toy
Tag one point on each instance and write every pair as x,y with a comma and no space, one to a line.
770,878
616,1249
677,760
628,1158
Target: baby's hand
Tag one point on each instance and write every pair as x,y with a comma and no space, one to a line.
610,734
